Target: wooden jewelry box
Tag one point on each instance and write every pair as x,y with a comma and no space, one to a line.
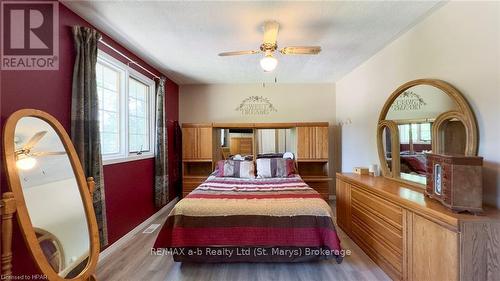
456,181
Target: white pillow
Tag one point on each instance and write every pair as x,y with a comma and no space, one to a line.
238,157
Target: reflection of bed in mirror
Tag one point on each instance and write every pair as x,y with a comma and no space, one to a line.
415,141
413,163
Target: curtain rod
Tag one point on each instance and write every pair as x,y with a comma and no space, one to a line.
130,60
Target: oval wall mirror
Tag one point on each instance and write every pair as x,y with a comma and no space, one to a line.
430,116
54,206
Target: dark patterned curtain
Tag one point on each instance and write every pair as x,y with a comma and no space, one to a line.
177,157
161,172
85,118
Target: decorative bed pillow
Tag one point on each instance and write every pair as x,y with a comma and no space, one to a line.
275,167
235,169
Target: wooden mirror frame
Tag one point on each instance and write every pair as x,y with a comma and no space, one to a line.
393,128
437,141
463,113
23,216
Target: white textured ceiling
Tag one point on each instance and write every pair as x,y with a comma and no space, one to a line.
182,39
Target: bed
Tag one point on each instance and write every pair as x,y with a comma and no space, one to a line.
250,220
415,163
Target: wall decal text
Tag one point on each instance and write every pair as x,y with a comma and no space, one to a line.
408,101
256,105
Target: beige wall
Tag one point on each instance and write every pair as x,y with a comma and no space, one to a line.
458,43
294,103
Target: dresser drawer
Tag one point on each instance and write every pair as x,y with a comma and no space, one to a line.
379,228
383,209
388,259
376,226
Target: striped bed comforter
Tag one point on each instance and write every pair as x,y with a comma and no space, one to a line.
250,220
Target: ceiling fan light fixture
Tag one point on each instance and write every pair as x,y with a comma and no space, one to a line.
268,63
26,163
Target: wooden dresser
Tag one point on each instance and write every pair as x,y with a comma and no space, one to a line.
412,237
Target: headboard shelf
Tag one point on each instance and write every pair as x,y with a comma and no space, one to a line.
198,160
266,125
203,147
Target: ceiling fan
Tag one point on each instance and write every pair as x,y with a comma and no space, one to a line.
25,159
270,45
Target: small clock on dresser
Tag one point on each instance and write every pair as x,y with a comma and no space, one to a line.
456,181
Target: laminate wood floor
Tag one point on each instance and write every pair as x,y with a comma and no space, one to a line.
133,262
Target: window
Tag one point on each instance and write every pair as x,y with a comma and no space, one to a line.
138,116
418,132
425,134
126,111
404,133
108,93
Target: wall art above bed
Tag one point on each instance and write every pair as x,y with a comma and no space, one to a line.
256,105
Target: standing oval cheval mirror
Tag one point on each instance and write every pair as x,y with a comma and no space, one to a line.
51,196
423,117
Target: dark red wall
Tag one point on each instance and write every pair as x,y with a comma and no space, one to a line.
129,185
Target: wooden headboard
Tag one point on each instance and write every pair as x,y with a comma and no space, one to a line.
201,150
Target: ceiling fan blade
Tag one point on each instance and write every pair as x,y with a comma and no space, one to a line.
271,32
301,50
49,153
34,140
237,53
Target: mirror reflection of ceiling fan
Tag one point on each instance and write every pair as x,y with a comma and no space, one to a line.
26,159
270,45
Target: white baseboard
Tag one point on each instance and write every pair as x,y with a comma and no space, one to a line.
332,197
124,239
